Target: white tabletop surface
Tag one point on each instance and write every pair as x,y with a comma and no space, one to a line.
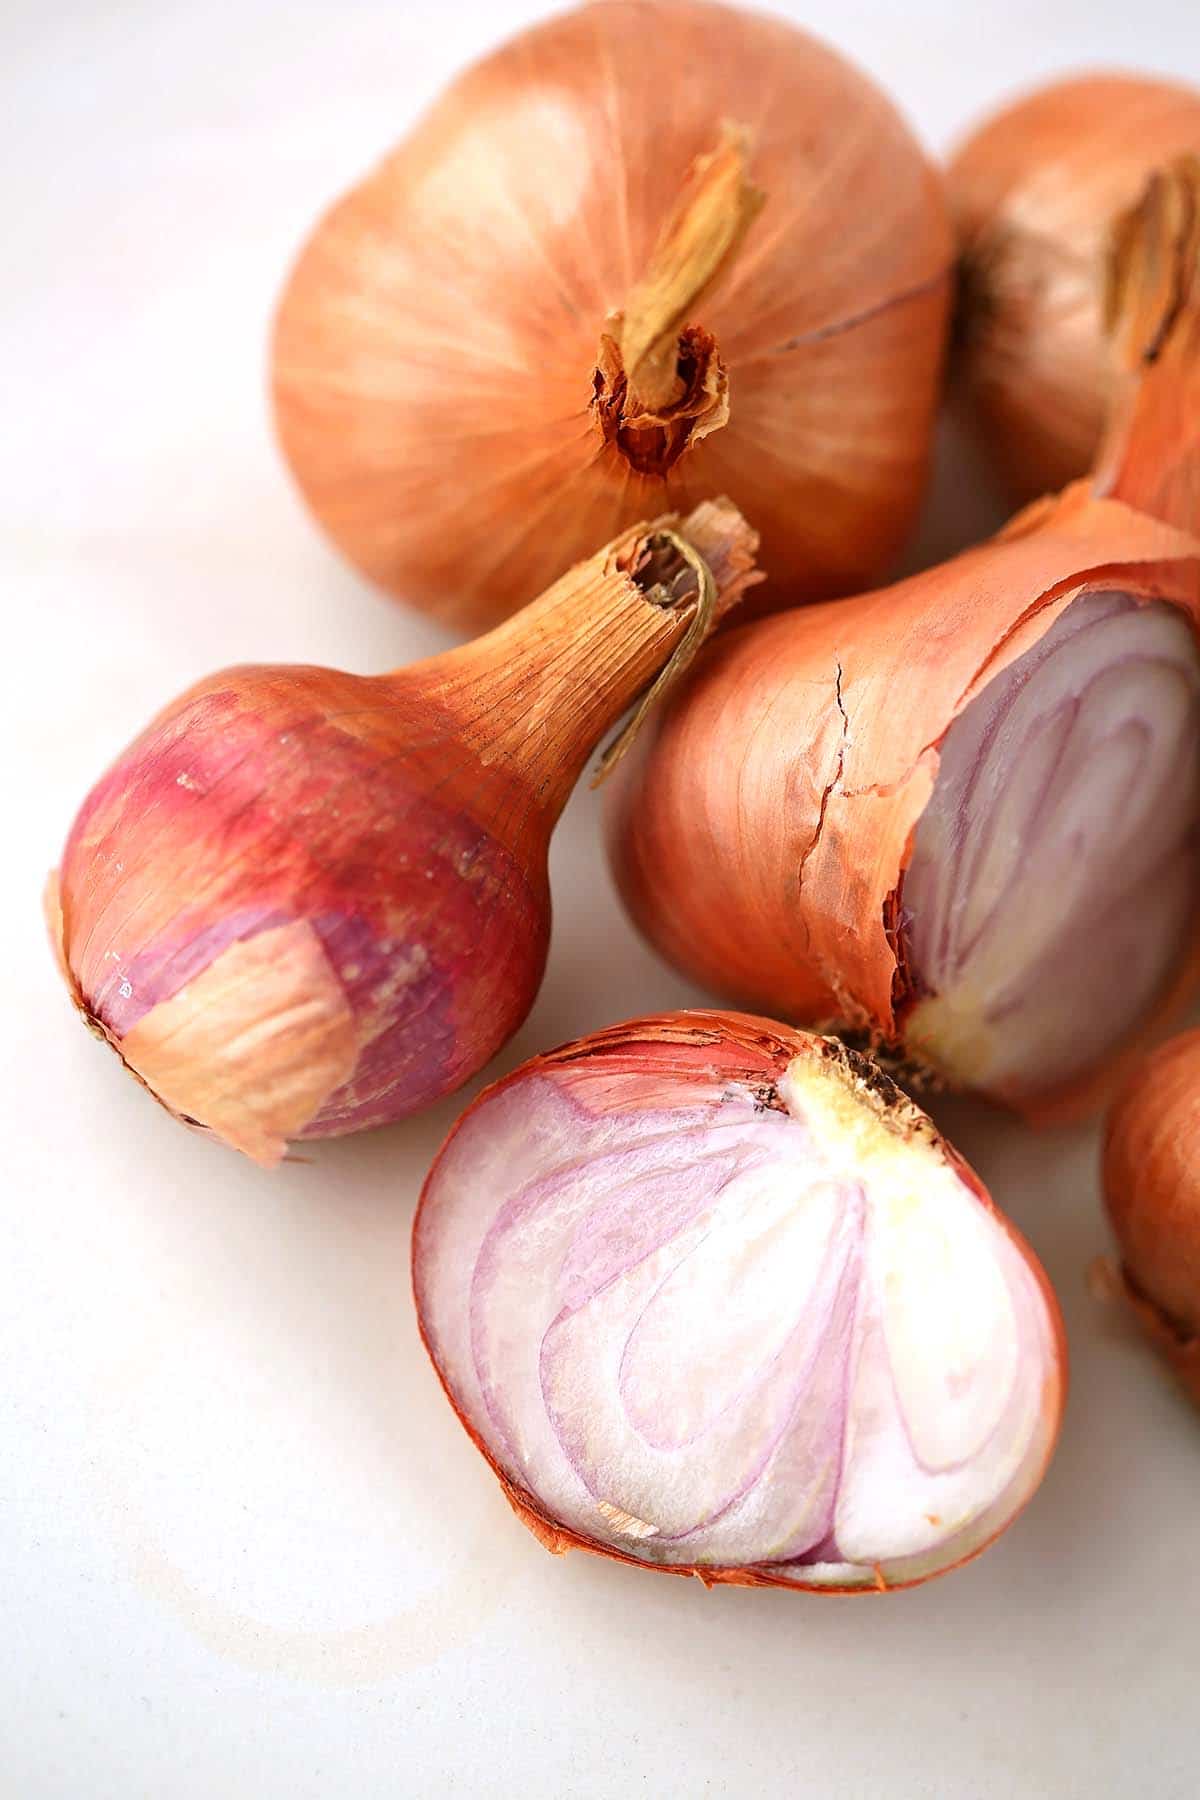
245,1549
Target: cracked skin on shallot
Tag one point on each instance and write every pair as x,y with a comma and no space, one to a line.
768,836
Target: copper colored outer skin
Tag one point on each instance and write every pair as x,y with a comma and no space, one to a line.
363,859
1032,193
736,1047
1152,1192
1150,456
445,335
760,835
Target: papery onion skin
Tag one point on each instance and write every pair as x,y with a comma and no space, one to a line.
1033,192
617,1160
789,813
304,902
760,837
1152,1193
1150,456
438,346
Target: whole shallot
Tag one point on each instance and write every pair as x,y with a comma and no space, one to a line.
961,815
643,254
304,902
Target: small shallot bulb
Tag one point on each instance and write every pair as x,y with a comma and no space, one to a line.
714,1298
643,254
961,815
1152,1191
303,903
1033,192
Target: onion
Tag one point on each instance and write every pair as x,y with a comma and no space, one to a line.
553,310
304,902
713,1297
924,814
1152,1190
1033,191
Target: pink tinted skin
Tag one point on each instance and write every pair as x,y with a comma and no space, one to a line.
688,1328
270,796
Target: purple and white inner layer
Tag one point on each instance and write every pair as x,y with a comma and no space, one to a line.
1055,873
703,1331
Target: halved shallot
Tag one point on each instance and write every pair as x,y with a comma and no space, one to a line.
715,1298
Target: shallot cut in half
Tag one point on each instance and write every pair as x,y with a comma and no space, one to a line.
303,902
1033,192
641,255
961,815
713,1297
1152,1192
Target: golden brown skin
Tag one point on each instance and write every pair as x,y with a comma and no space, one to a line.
1152,1193
1033,192
443,345
760,837
756,1051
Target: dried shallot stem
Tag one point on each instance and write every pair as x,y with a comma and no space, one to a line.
697,245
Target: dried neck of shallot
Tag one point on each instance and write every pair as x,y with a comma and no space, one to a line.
1151,455
660,384
627,620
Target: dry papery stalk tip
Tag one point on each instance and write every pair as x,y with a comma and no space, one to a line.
1033,193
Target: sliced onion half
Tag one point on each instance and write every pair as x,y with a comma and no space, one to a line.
714,1297
1055,873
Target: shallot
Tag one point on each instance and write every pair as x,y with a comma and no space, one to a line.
1032,192
713,1297
303,902
1152,1190
641,255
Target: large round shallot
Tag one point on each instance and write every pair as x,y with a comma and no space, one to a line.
648,252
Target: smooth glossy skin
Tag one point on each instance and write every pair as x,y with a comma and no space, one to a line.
270,869
713,1297
447,315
